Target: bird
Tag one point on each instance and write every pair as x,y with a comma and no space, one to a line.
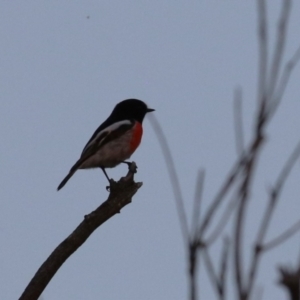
115,140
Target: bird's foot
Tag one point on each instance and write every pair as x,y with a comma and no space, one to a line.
111,182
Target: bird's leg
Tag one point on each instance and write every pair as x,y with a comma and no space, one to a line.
105,174
103,169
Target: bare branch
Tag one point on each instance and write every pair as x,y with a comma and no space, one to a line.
120,195
271,86
193,269
261,121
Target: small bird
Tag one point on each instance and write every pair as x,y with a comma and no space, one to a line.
115,139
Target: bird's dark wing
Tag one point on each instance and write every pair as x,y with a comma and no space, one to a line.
101,137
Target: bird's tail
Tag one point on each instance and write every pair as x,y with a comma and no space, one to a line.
72,171
65,180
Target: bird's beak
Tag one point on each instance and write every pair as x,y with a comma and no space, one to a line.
150,110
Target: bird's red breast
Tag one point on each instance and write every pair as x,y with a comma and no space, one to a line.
136,136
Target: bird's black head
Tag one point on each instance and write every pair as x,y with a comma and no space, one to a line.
130,109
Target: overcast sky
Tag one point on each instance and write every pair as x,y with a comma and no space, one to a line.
64,65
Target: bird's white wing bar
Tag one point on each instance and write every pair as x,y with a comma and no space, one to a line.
97,140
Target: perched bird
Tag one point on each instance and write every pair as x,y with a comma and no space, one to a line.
115,139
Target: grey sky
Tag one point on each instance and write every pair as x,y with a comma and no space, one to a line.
64,65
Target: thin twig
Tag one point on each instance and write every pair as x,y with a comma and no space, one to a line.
282,237
276,191
172,175
239,225
197,203
224,219
218,282
224,268
279,48
288,69
211,271
228,183
263,50
193,246
238,121
248,174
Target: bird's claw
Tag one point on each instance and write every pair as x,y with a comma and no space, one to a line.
108,187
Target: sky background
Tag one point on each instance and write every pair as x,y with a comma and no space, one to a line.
64,66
